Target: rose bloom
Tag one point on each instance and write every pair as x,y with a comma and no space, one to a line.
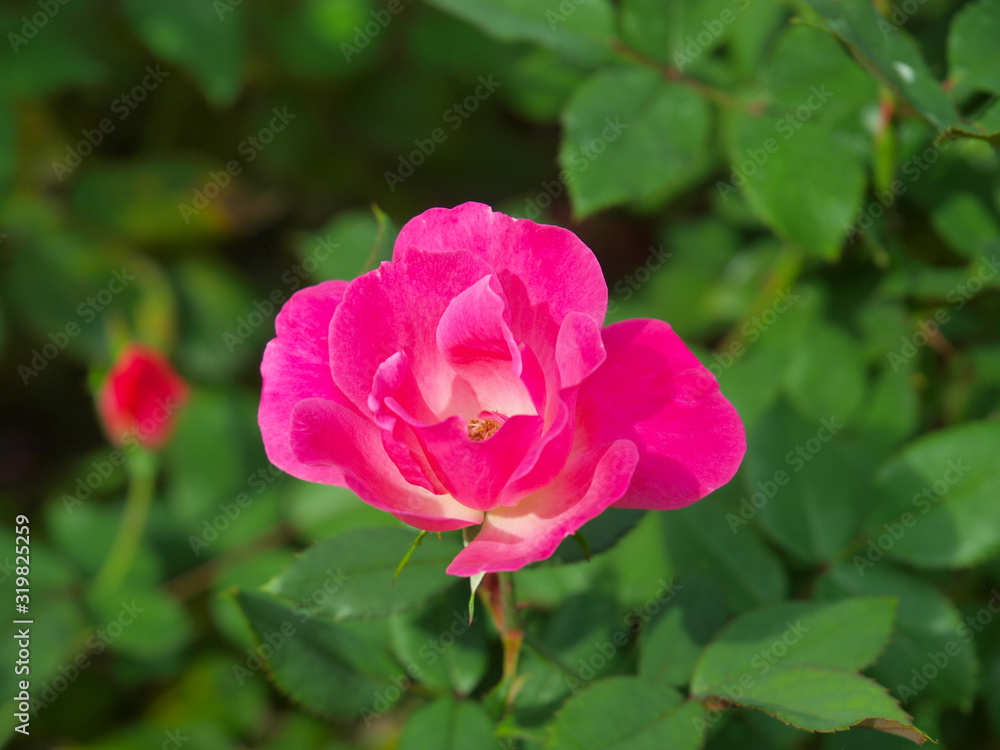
140,396
470,381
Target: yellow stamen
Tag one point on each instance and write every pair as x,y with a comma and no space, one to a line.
481,429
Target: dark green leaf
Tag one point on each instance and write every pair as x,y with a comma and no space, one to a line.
206,38
350,576
327,667
890,53
699,538
582,31
447,724
798,488
670,647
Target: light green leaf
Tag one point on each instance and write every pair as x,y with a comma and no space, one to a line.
973,54
948,482
847,635
928,629
770,153
350,575
210,44
349,245
448,724
631,136
627,713
674,32
826,376
821,700
149,623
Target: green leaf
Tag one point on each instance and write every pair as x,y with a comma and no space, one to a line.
797,487
447,652
928,629
668,32
582,641
890,53
149,623
821,700
327,667
627,713
967,225
631,136
846,635
826,376
948,483
601,534
356,570
217,337
351,244
769,153
699,538
447,724
194,34
808,65
670,647
53,58
583,30
203,477
973,55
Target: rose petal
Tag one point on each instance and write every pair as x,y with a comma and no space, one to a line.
539,266
475,472
653,391
325,433
397,308
512,537
296,366
477,343
579,349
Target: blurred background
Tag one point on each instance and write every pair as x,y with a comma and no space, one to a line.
823,233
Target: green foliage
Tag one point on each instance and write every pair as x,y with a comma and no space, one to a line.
808,192
356,570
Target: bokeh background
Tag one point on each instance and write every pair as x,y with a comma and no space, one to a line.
807,192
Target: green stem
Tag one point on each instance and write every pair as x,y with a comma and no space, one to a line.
142,481
513,634
497,594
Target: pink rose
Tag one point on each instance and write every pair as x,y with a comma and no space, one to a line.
469,381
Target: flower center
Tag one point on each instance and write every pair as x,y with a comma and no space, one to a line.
481,429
